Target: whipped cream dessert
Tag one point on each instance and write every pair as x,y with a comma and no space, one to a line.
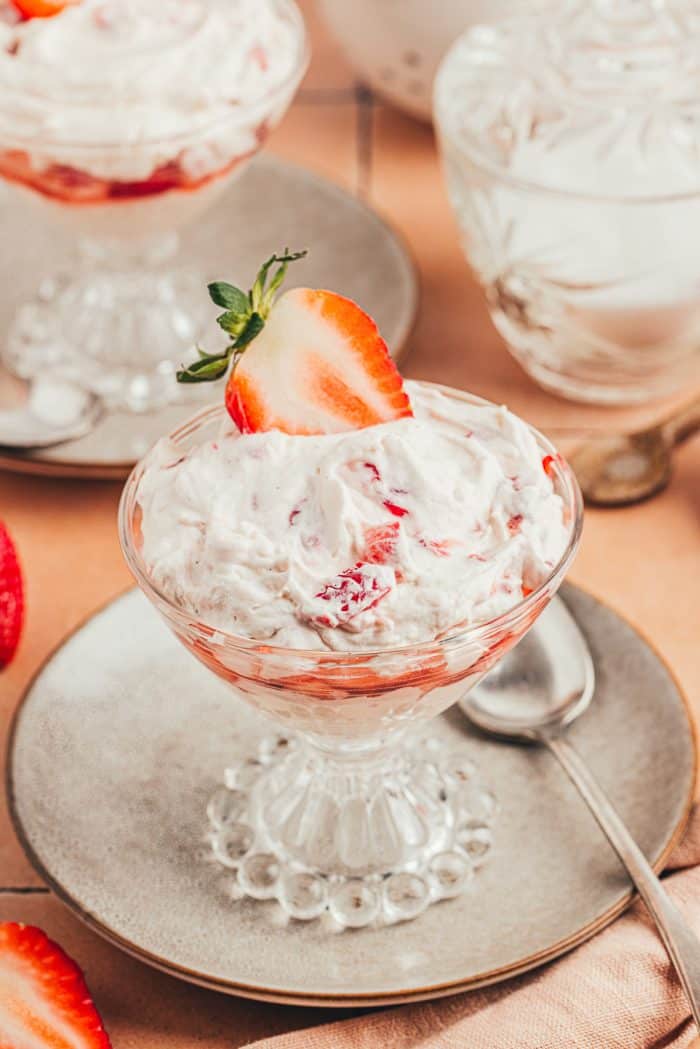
382,536
122,89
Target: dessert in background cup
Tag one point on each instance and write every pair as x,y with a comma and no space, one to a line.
124,121
352,556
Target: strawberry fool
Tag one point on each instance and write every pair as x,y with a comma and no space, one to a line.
376,537
339,508
110,100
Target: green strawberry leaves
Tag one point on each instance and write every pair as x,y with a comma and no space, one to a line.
206,369
243,318
228,297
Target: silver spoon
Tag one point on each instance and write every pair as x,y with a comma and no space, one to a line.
53,411
536,691
626,468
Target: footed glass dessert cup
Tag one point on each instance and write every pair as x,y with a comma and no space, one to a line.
350,808
570,138
123,171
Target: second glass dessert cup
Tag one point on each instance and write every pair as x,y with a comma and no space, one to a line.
350,807
569,135
127,310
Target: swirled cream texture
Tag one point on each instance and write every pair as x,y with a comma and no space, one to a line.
378,537
135,75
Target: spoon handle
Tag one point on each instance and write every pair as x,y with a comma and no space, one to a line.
682,944
684,423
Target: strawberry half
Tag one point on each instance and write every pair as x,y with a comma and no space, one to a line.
319,364
42,8
11,599
43,997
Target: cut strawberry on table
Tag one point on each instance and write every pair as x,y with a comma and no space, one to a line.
42,8
43,997
318,364
11,599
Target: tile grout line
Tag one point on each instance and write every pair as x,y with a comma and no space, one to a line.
24,890
326,96
364,127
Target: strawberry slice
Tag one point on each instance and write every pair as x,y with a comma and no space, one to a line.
381,542
351,592
42,8
43,997
319,364
11,599
439,547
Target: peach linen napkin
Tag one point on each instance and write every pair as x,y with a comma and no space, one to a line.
617,990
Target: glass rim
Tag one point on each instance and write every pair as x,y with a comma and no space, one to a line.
334,657
238,110
468,146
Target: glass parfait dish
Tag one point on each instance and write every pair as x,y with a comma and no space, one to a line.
570,139
123,122
351,808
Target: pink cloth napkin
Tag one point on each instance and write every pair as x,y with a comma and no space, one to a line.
617,990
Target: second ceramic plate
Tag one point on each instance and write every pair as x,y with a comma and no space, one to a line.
350,250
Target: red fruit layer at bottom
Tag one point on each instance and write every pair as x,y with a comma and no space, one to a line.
330,683
70,185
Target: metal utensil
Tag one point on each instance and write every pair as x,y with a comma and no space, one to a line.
53,411
623,469
538,690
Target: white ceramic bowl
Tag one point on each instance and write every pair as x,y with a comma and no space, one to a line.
396,45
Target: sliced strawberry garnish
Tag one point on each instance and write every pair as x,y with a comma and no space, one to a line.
350,593
374,471
319,364
11,599
439,547
43,997
42,8
381,542
395,509
550,464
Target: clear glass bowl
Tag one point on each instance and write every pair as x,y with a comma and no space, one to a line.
396,49
352,802
123,316
570,140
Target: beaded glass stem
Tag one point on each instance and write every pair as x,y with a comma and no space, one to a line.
118,324
357,836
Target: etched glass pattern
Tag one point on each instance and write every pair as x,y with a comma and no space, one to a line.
571,144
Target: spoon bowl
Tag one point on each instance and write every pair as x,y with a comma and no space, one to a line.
541,686
52,412
616,471
626,468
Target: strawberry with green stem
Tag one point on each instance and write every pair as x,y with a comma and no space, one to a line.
308,362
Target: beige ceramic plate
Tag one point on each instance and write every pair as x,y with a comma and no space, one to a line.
123,735
350,250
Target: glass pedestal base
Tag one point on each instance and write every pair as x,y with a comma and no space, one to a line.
352,839
120,325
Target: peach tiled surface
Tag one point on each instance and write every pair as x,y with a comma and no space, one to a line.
643,561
